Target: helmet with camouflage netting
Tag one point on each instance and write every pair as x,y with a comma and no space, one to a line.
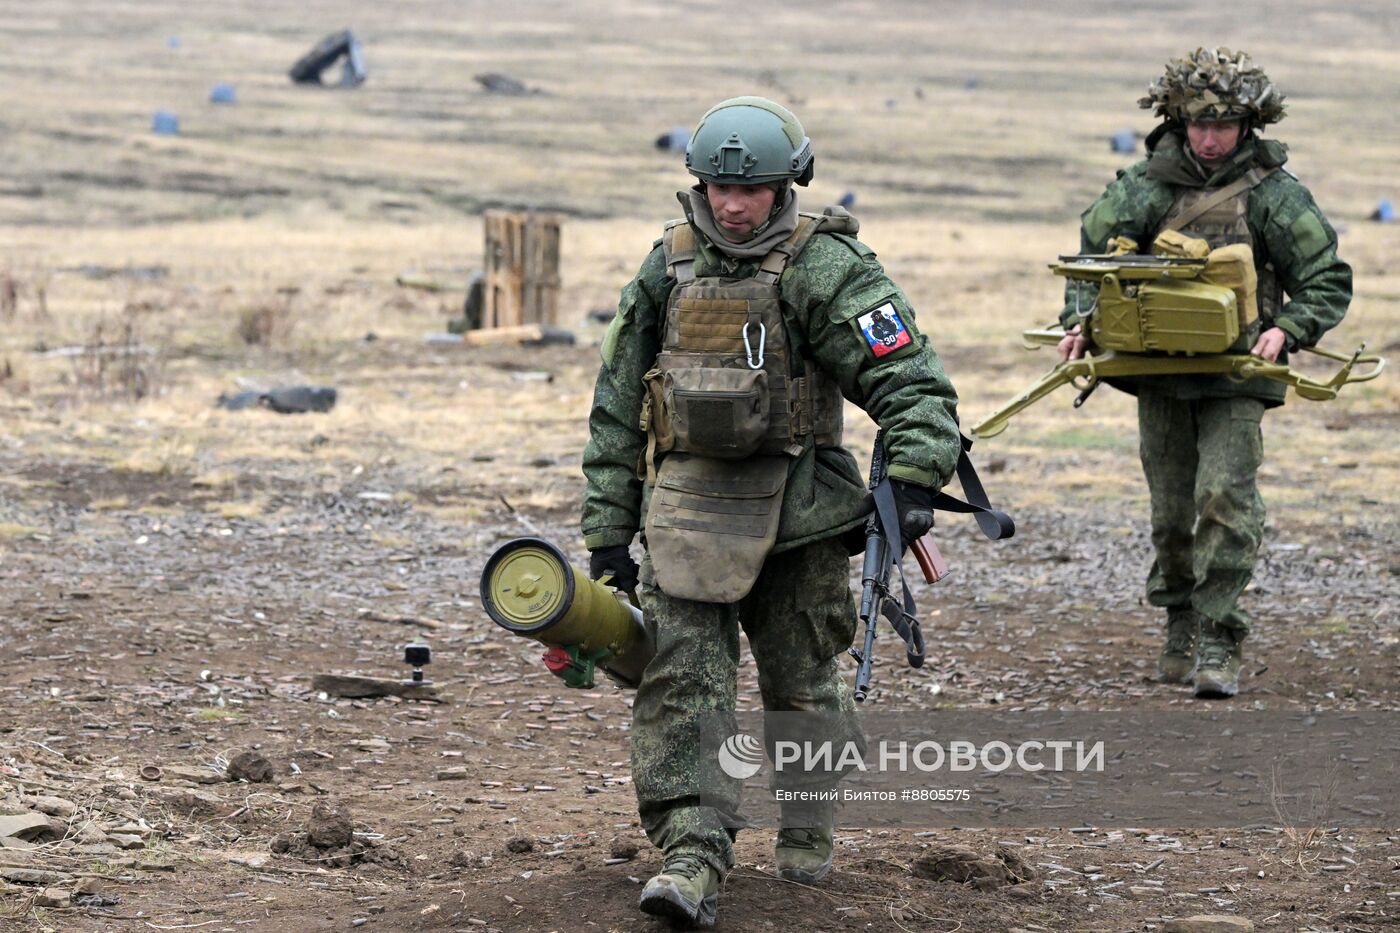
1215,84
749,141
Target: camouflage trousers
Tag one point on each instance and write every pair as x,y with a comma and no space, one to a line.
799,617
1201,457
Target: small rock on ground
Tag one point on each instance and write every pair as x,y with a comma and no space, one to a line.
329,826
194,775
627,850
963,865
1210,923
251,767
24,825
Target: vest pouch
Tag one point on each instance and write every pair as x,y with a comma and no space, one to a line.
711,524
1233,267
655,421
1174,244
717,412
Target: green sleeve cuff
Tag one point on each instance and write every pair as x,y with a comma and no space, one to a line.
608,537
921,476
1292,329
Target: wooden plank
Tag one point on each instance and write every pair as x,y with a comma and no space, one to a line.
541,270
427,283
499,335
503,263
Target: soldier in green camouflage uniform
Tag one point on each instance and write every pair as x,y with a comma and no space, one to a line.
1210,175
798,612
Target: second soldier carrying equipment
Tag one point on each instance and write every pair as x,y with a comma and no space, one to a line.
1209,176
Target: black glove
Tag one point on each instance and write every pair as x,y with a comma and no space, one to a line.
914,506
617,561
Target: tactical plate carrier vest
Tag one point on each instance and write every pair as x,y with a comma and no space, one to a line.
1219,216
724,383
729,407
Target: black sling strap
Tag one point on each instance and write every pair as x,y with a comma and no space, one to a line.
995,524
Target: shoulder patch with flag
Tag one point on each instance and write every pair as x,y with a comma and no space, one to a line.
884,330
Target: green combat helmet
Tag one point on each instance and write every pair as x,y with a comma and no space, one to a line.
1215,84
749,141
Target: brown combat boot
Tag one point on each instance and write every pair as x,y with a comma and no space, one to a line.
1218,662
1177,661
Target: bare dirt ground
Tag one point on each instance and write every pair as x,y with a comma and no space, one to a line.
173,575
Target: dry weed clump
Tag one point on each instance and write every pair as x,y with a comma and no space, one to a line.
1302,839
115,362
268,322
9,297
13,292
41,300
14,380
150,304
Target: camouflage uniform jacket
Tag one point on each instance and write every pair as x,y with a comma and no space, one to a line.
1282,216
824,290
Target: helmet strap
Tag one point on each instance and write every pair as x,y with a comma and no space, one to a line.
782,190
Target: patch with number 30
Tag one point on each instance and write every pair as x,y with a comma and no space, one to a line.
884,330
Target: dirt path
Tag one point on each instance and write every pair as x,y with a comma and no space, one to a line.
151,621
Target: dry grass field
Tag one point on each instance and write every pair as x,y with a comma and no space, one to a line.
173,574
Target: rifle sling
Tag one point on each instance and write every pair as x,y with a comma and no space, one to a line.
995,524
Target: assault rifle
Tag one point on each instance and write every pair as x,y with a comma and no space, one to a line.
883,552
